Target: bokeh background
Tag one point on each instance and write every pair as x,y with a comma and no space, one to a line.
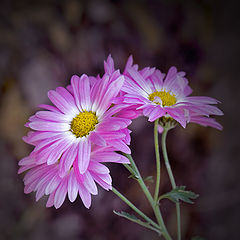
43,43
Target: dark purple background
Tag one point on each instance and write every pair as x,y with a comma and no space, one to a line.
42,43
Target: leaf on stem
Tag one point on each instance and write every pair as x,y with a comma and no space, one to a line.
179,193
133,177
126,215
149,179
133,218
133,172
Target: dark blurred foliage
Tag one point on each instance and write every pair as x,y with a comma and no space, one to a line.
43,43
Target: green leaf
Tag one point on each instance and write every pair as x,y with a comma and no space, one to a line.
179,193
133,218
127,216
133,177
149,179
133,172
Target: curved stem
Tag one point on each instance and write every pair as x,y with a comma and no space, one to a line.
139,179
154,206
158,166
131,205
172,180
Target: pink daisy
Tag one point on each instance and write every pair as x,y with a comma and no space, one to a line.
159,96
72,138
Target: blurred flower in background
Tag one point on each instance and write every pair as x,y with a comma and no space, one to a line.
43,43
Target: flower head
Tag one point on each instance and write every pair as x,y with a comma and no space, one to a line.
159,95
72,138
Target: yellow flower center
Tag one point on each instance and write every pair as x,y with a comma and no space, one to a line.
84,123
166,98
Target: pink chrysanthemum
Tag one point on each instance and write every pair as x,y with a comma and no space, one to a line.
167,96
73,137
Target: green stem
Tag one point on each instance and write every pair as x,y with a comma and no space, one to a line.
139,178
131,205
157,161
154,206
172,180
131,170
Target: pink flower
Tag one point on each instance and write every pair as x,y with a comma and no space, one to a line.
159,96
73,138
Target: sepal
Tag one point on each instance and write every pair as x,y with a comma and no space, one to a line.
179,193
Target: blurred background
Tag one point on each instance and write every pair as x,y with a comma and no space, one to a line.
43,43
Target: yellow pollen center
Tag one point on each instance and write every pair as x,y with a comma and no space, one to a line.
84,123
166,98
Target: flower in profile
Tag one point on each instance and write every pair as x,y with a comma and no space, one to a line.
73,138
167,96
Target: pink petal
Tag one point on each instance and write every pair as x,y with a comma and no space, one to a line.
50,201
101,180
113,110
30,187
35,173
89,183
72,187
130,86
147,72
53,184
113,124
128,64
206,122
98,168
109,65
111,156
98,90
60,194
84,90
37,136
178,115
52,116
26,161
67,160
148,109
112,135
111,92
120,146
155,114
48,141
60,102
97,139
157,80
41,186
202,100
49,107
75,80
49,126
140,80
171,75
59,149
67,96
85,196
25,168
84,150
